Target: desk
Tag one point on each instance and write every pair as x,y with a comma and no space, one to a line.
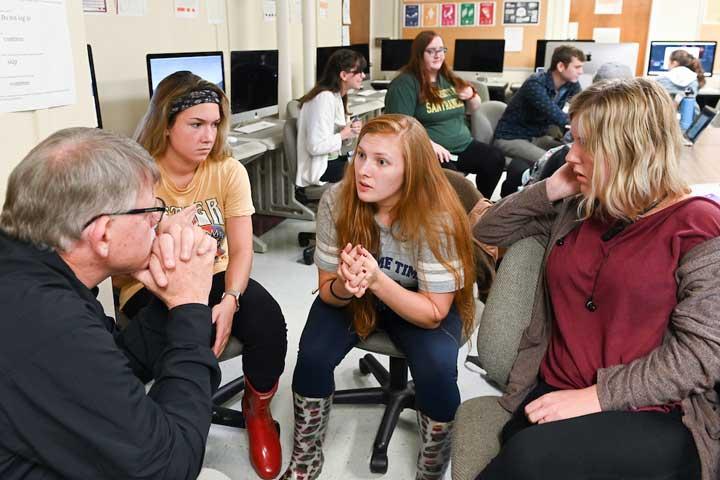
701,162
245,153
273,191
368,106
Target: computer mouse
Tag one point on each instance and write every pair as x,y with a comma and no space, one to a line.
233,140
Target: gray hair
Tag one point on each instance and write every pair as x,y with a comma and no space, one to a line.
613,71
70,177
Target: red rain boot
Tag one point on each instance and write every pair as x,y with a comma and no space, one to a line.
265,453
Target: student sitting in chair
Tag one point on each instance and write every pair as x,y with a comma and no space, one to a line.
394,252
615,374
80,207
430,91
523,132
685,76
185,129
323,124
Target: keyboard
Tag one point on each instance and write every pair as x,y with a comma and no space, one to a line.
253,127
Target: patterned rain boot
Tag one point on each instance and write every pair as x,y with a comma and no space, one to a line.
311,419
435,442
265,453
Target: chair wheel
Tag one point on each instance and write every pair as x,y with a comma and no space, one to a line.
363,367
378,463
308,254
304,238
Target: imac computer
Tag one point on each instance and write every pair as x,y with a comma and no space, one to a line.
322,55
659,58
541,48
394,54
481,56
206,65
254,85
597,54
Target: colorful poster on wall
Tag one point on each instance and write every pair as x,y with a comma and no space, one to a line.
467,14
449,14
430,14
521,13
412,15
486,14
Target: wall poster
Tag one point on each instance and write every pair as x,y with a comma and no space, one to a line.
411,16
486,14
521,13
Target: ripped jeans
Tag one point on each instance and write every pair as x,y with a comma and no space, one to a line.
431,354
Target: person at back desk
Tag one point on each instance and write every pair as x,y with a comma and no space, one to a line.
522,132
428,90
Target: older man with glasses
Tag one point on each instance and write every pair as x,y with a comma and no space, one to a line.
80,208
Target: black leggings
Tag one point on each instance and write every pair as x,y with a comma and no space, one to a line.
259,325
335,170
615,445
485,161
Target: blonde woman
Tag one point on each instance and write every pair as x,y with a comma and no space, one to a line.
393,251
185,130
616,372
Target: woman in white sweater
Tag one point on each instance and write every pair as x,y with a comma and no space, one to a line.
323,125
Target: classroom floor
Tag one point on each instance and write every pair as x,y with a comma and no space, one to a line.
351,430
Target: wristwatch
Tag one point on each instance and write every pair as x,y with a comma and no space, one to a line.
233,293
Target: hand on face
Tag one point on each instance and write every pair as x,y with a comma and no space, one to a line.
190,252
563,183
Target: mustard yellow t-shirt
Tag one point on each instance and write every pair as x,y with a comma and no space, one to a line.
219,190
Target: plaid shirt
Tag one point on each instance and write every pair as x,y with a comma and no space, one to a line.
535,107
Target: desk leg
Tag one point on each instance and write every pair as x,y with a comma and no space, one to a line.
259,246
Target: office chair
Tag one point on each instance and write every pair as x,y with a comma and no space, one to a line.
396,392
484,120
308,196
478,421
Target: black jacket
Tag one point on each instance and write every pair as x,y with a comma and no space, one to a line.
71,402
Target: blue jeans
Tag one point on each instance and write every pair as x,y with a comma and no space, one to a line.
431,354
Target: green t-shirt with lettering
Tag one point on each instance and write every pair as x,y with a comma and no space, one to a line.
444,122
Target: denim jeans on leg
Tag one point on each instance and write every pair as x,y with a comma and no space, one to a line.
431,353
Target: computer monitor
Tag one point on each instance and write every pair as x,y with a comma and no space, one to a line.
394,54
254,84
659,58
479,55
93,86
206,65
322,55
597,54
540,49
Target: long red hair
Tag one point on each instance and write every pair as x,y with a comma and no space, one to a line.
428,212
416,66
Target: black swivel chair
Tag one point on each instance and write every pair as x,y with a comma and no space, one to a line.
395,391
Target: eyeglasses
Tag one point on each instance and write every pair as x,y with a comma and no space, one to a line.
355,72
158,211
436,51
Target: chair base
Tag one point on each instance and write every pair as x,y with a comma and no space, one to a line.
227,416
395,392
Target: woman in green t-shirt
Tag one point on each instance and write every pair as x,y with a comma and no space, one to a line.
428,90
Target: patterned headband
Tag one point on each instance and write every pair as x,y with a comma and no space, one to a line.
193,98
